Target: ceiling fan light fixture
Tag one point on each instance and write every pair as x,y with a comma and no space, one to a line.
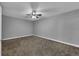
33,17
34,13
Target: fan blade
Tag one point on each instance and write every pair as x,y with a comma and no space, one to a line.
39,14
28,16
44,17
34,5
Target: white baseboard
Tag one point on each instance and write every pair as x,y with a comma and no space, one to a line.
59,41
45,38
17,37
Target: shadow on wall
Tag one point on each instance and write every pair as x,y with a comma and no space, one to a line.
0,22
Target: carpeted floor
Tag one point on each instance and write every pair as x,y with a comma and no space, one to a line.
36,46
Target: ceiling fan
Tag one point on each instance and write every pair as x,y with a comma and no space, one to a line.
34,13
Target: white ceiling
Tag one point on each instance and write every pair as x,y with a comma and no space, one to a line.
19,9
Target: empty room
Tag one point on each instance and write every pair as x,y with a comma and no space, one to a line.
39,28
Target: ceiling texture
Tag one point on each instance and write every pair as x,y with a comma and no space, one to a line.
48,9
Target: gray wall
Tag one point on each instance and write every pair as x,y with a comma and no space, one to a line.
13,27
64,27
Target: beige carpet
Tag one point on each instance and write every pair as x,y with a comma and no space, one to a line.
36,46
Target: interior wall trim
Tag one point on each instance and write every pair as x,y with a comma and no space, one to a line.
45,38
74,45
17,37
